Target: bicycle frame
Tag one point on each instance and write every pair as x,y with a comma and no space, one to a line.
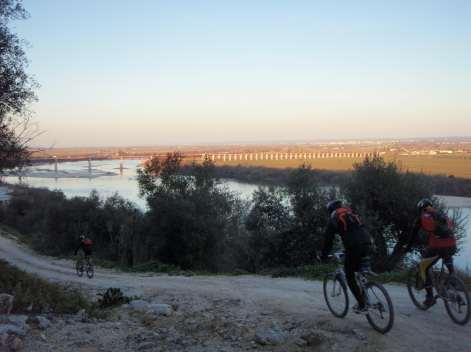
360,277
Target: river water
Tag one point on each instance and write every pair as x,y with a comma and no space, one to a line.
79,178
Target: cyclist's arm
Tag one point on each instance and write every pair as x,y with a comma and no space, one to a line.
328,240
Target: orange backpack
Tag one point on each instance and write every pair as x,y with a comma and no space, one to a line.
348,219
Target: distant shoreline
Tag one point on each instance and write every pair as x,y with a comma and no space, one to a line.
52,174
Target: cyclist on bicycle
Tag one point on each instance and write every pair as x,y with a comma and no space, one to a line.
356,241
435,229
85,245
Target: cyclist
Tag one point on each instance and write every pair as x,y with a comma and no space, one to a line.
356,241
85,245
435,229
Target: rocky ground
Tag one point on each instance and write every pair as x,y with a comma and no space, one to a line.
204,324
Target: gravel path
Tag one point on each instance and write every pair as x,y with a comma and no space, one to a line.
266,299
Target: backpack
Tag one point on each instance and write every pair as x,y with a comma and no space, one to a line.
438,224
443,226
348,219
88,243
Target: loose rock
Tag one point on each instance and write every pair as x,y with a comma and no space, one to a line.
11,329
270,336
40,322
160,309
139,305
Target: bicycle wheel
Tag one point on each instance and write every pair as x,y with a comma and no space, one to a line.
416,289
90,271
79,268
336,295
380,308
457,301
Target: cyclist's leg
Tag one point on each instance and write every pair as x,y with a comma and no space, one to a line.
365,261
80,259
352,264
429,258
447,257
88,258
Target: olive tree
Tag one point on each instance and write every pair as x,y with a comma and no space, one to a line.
16,90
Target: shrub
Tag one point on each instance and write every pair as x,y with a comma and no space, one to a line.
112,297
190,218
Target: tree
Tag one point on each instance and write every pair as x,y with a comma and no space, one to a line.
16,90
287,225
386,199
268,220
190,218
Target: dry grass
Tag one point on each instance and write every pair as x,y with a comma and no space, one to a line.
433,165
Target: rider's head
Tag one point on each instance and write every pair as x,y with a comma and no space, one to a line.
82,237
424,204
333,205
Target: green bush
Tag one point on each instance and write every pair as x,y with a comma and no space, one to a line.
155,266
191,219
112,297
287,224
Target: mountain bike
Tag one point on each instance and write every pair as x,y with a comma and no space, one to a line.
447,287
380,310
84,265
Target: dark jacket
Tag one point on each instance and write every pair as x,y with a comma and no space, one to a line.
348,225
86,246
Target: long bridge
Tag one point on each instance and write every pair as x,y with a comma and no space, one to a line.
226,157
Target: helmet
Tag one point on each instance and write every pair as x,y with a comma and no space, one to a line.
333,205
82,237
424,203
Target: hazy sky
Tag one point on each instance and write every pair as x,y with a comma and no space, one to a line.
171,72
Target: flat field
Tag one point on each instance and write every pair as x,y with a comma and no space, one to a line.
432,165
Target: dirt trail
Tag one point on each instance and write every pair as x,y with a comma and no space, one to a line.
278,298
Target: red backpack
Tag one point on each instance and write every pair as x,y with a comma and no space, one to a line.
348,219
88,243
439,228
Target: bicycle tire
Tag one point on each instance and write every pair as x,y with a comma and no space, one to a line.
79,268
90,271
412,289
464,294
390,308
342,291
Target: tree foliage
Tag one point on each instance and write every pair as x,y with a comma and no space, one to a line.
287,223
190,218
386,197
16,90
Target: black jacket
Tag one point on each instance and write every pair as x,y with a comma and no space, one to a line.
352,233
86,248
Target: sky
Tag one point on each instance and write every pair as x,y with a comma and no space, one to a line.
150,72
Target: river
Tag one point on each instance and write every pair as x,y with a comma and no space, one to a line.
79,178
